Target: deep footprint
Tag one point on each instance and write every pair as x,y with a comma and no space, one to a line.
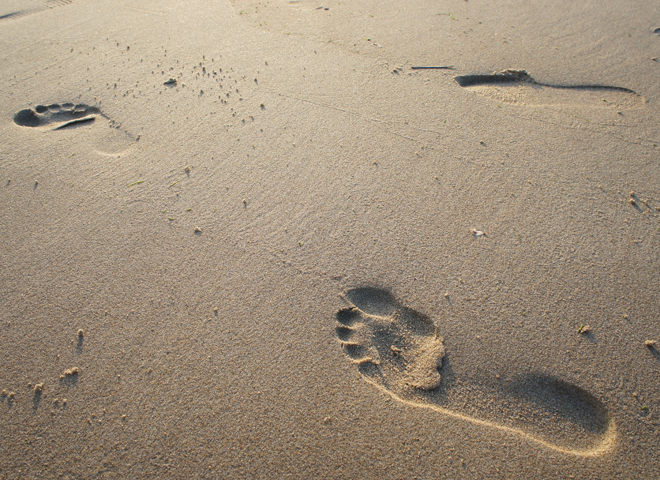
518,87
56,116
400,351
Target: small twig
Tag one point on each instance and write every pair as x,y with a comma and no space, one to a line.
449,67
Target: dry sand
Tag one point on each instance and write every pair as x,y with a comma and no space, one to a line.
304,258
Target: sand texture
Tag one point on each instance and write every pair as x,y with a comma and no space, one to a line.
367,239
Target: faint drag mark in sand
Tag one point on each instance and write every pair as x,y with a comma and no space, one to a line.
29,11
399,351
518,87
20,13
67,116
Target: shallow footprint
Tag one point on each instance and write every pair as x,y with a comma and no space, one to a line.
400,351
518,87
33,7
69,116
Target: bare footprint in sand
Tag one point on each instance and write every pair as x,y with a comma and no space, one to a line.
56,116
518,87
400,351
112,141
32,7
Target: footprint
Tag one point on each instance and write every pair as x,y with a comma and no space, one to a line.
67,116
400,351
518,87
49,4
56,116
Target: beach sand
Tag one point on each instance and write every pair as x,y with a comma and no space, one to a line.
251,240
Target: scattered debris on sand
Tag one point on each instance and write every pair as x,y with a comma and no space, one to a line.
70,372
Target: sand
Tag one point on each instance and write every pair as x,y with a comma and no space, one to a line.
249,240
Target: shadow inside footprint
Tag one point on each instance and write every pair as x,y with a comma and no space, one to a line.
556,399
373,301
399,351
